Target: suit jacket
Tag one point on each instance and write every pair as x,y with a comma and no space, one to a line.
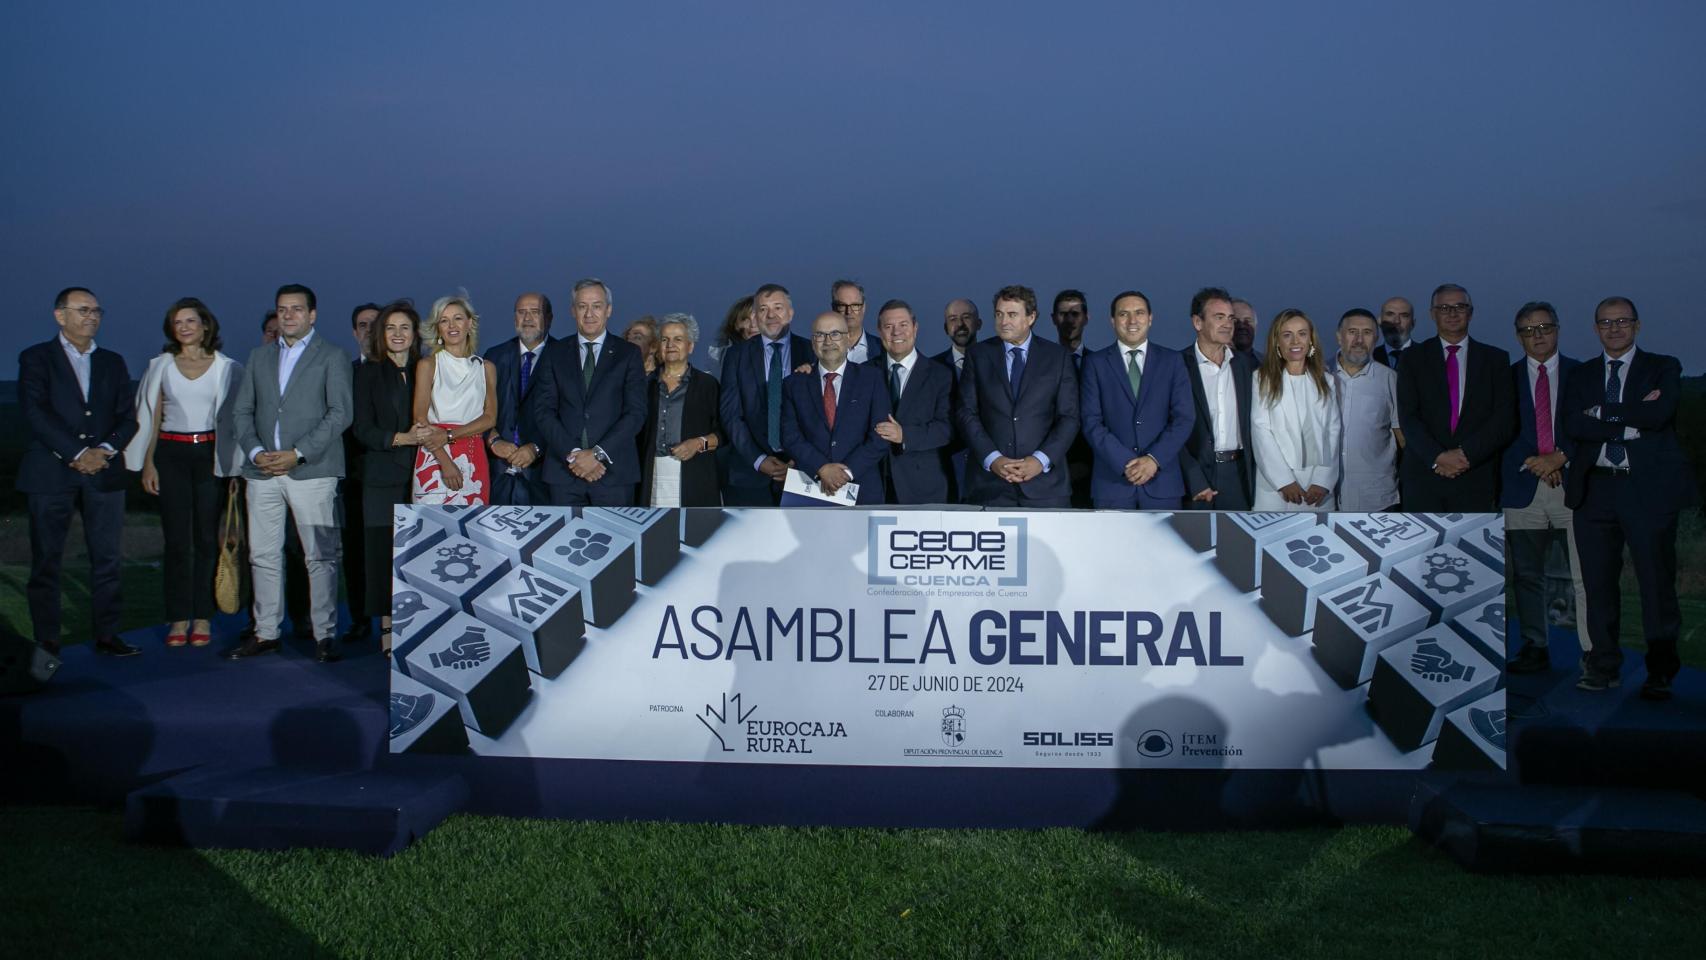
918,468
1486,423
699,418
384,407
610,411
1661,478
310,416
515,412
746,417
1119,426
1044,417
863,403
1517,486
60,423
1383,356
1281,436
1197,457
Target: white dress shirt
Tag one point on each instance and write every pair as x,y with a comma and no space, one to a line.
861,351
1462,369
79,363
1222,395
905,373
1142,351
287,357
1629,433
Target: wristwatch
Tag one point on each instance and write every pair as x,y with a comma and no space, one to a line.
301,460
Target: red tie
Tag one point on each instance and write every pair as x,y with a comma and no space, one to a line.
829,399
1543,412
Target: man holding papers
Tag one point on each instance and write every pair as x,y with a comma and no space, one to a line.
830,415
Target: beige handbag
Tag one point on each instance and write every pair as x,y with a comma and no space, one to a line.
228,576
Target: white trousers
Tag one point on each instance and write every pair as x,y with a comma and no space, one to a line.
314,505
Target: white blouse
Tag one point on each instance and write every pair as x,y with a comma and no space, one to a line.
188,406
458,389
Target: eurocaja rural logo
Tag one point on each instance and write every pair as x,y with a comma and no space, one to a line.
965,550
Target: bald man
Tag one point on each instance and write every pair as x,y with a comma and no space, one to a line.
1397,319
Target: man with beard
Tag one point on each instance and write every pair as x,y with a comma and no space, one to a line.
1244,330
515,442
1397,319
1367,393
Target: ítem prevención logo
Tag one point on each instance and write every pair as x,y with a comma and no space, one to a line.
961,550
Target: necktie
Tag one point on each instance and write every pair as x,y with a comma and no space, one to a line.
1543,412
526,373
1078,363
1015,370
829,399
1452,385
1392,357
1132,372
773,395
586,383
894,385
1614,451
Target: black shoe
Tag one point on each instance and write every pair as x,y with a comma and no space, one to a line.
1530,659
114,647
252,647
1598,682
303,632
326,653
363,630
1655,689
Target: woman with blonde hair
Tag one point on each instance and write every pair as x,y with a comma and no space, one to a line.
1294,421
456,394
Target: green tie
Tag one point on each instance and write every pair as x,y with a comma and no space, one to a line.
1132,373
586,384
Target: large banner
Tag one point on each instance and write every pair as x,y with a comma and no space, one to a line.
951,638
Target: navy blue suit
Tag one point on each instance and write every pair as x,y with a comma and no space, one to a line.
515,420
60,424
746,415
863,403
1486,423
1120,426
607,414
1517,486
1044,417
918,469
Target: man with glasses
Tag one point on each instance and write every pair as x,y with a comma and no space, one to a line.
1627,481
830,415
1397,319
515,442
590,406
1532,488
78,411
847,298
1457,410
751,399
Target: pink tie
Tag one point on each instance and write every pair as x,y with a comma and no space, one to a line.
1451,384
1543,412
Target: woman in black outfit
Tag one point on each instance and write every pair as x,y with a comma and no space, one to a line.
385,428
678,465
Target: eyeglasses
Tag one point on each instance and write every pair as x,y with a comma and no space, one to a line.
87,313
840,307
1621,323
1453,309
1536,330
831,335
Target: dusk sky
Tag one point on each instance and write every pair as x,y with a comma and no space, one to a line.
687,153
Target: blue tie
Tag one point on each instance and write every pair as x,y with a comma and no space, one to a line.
1614,451
773,395
526,372
1016,371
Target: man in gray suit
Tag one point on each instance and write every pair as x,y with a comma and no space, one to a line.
291,410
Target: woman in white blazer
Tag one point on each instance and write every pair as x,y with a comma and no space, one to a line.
1294,421
184,443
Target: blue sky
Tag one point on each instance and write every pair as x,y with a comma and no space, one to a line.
1321,156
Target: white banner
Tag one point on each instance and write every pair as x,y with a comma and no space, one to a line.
950,638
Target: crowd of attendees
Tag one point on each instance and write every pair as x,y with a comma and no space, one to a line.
315,450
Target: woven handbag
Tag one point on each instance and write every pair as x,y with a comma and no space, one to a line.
228,576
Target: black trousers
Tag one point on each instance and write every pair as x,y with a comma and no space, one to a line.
517,489
189,525
1613,515
377,499
1228,479
350,495
582,494
103,527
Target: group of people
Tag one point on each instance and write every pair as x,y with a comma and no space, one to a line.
325,448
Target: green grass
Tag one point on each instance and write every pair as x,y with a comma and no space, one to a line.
495,887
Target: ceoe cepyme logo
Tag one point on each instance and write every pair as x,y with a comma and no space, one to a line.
964,550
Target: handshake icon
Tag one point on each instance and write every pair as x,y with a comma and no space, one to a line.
469,650
1433,662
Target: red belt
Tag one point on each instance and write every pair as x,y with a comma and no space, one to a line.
189,437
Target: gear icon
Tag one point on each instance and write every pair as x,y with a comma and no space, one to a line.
1445,574
459,557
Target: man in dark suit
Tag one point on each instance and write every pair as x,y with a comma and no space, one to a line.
1627,480
1219,474
847,297
830,415
1136,409
1457,409
589,405
1397,319
751,399
79,412
1071,312
349,495
961,322
918,430
1018,411
515,442
1531,487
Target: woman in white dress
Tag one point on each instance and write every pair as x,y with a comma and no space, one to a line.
456,393
1294,421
